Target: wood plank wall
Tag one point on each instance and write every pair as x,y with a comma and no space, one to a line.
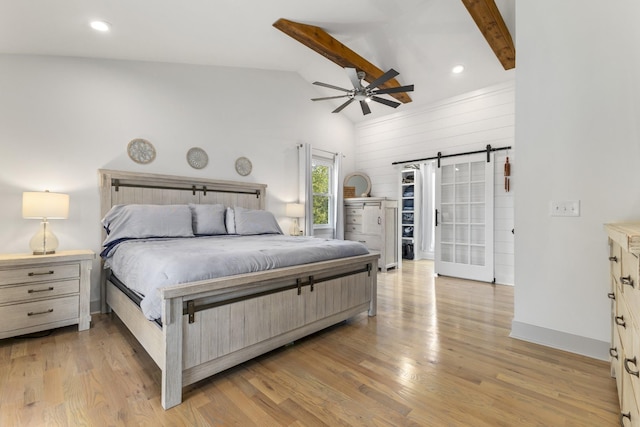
465,123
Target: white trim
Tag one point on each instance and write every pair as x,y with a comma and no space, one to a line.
589,347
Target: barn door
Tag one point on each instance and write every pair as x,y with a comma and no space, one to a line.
464,217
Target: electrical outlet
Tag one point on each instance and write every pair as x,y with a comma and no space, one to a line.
565,208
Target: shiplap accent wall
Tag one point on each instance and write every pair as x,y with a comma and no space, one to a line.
465,123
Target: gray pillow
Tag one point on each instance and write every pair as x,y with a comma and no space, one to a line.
208,219
249,221
142,221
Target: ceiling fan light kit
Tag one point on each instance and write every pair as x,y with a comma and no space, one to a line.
365,94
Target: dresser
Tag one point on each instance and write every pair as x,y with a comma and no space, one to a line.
624,293
40,292
374,222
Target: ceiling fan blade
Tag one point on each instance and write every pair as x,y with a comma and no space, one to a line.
408,88
365,108
340,108
332,86
383,78
353,76
385,101
329,97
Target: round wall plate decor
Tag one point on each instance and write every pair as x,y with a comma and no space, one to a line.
141,151
243,166
197,158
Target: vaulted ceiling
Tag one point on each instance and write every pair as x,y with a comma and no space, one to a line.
422,39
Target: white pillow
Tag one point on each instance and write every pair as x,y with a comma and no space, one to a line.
208,219
249,221
230,221
142,221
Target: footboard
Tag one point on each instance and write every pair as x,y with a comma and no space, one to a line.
209,326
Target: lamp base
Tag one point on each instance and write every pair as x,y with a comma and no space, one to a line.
294,230
44,242
43,253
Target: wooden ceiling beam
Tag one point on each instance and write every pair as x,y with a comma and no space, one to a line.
489,20
319,40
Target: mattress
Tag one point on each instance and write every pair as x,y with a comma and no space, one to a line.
147,265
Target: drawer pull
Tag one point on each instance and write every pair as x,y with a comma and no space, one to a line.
623,416
35,313
620,321
629,370
33,291
611,295
613,258
41,274
627,280
613,352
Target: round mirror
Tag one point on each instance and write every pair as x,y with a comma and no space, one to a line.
360,182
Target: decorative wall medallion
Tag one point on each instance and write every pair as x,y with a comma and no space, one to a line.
243,166
197,158
141,151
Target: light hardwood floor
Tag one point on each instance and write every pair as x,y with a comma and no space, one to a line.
437,354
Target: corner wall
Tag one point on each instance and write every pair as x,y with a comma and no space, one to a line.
577,118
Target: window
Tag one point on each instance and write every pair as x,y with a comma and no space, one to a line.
323,197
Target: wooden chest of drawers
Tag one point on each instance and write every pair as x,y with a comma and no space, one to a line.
624,292
39,292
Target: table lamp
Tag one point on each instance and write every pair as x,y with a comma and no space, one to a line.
44,205
295,211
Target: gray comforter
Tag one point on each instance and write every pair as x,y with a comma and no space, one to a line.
146,265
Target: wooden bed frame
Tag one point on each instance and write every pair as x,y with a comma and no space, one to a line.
211,325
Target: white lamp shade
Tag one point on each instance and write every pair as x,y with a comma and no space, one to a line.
294,210
43,204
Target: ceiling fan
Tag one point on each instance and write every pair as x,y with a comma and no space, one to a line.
365,94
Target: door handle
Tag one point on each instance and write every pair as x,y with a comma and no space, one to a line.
436,217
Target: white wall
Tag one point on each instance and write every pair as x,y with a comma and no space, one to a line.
62,119
464,123
577,133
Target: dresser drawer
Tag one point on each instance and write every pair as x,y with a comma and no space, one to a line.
352,228
615,260
371,242
351,210
39,274
629,281
617,357
353,219
38,313
38,290
625,326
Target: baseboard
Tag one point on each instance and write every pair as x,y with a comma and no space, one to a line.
561,340
95,307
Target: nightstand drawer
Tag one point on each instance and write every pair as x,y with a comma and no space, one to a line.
38,313
35,291
39,273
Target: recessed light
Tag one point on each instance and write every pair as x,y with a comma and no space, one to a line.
457,69
102,26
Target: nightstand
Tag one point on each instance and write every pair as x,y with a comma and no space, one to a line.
40,292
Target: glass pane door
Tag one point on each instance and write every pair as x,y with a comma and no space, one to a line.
464,209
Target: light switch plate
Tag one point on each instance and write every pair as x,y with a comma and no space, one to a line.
565,208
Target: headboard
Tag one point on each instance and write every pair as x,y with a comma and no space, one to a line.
121,188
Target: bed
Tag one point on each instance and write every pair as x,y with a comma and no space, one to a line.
207,326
